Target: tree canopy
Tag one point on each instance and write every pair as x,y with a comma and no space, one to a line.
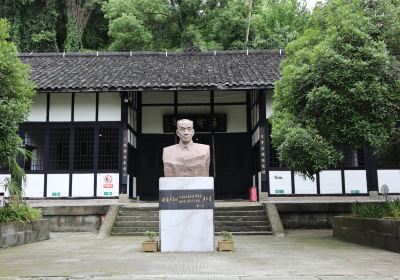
340,85
72,25
16,92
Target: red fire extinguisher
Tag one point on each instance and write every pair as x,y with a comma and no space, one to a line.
253,194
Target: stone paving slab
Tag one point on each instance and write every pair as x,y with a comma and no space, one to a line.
303,254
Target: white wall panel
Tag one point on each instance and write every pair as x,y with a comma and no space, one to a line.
280,182
109,106
39,108
391,178
107,184
152,118
255,137
152,97
57,185
134,192
85,107
304,185
194,97
229,96
60,107
3,179
355,181
330,182
268,103
236,117
82,184
33,186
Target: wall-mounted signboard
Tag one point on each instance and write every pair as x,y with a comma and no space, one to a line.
201,122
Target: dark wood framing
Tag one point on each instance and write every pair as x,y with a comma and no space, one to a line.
253,97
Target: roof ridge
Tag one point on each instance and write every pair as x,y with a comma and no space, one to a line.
136,53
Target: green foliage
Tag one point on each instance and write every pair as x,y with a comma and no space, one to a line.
226,235
278,22
19,213
377,210
339,87
16,92
151,236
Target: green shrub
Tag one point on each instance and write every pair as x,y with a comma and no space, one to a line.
19,212
377,210
394,207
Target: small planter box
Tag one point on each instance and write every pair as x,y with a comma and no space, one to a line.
20,233
150,246
225,245
381,233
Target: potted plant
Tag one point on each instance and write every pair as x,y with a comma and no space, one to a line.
226,243
150,245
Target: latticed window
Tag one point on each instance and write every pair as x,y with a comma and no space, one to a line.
83,148
59,149
34,142
108,148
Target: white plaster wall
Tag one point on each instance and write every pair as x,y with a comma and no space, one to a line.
280,181
60,107
107,184
82,185
268,103
152,118
255,137
57,183
259,183
85,107
330,182
194,97
391,178
33,186
355,180
235,117
134,190
39,108
221,96
194,110
109,106
152,97
3,178
304,185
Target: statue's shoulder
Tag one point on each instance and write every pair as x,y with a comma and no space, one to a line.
170,148
201,147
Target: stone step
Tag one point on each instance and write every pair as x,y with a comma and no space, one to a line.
136,224
116,229
217,234
239,218
239,213
138,218
241,223
242,228
240,208
138,213
249,233
135,208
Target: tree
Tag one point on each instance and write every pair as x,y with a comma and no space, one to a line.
340,85
16,92
278,22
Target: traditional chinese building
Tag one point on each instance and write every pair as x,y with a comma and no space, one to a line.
99,122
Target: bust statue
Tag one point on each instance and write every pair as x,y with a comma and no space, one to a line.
186,159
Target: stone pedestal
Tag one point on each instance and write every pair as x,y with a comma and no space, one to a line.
187,214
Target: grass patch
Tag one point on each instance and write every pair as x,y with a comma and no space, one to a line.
21,212
377,210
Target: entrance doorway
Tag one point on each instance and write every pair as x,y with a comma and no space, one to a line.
230,163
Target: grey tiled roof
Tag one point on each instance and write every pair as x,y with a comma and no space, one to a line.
138,71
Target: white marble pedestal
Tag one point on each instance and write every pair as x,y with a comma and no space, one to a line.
187,214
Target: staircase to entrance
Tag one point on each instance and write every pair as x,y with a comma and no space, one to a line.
237,219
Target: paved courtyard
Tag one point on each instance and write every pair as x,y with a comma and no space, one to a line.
311,254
